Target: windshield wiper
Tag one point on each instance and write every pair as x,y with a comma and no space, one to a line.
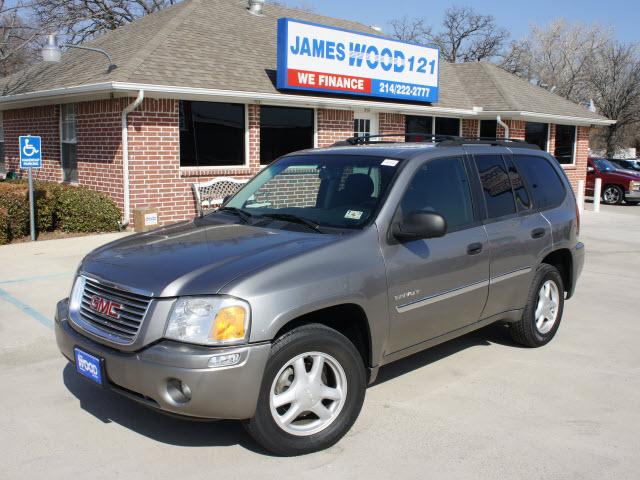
244,216
289,217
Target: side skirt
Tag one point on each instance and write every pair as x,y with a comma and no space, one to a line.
510,316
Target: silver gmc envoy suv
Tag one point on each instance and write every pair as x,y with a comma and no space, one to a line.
279,308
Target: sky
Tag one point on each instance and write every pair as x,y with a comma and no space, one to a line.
516,16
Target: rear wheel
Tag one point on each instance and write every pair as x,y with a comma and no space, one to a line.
542,314
312,392
612,195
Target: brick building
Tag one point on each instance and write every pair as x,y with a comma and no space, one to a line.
194,96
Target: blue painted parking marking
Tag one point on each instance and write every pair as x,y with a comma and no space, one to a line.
32,312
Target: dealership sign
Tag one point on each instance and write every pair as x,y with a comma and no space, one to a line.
326,59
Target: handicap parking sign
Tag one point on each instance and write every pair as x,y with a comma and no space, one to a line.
30,152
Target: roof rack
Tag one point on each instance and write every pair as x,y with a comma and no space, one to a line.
491,141
372,139
440,140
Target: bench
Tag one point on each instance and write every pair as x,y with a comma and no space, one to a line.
211,194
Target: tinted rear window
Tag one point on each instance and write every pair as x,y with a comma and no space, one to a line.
546,187
495,185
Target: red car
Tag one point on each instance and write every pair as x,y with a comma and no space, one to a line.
618,185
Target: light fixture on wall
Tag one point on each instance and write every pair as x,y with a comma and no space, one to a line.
52,53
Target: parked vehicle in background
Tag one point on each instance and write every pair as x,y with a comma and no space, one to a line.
617,185
632,164
280,307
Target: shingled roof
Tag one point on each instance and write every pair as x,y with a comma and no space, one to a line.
218,44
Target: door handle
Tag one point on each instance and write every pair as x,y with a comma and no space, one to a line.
537,233
474,248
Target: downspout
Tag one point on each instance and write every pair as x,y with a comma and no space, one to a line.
503,125
126,217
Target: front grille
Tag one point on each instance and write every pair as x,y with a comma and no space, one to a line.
128,307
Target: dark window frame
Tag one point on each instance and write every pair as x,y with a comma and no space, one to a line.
547,130
69,142
573,144
485,122
262,126
187,127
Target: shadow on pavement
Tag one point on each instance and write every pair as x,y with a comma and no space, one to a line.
495,333
108,406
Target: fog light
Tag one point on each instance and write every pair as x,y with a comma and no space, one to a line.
178,390
224,360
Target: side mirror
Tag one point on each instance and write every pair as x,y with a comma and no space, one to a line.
590,169
419,225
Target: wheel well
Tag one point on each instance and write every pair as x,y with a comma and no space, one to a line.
563,261
349,319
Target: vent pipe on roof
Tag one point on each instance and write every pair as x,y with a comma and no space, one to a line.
255,6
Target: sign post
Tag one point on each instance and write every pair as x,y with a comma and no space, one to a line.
30,158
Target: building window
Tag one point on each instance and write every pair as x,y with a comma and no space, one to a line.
211,134
361,127
418,125
488,128
447,126
284,130
68,143
537,134
2,163
565,144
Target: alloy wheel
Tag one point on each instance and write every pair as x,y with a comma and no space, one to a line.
308,393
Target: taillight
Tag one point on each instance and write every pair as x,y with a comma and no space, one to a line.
577,219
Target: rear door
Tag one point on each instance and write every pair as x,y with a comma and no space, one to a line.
437,285
517,233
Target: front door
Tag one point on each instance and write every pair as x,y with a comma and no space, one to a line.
437,285
365,124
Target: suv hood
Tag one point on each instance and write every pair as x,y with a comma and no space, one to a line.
198,257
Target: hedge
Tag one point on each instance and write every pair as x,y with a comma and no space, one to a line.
58,207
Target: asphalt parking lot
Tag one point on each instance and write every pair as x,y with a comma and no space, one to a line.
476,407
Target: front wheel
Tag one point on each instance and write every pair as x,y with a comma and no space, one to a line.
312,392
542,314
612,195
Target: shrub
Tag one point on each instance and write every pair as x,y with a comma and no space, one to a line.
14,200
58,207
79,209
5,234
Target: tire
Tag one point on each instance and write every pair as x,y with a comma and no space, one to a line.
533,330
612,195
343,371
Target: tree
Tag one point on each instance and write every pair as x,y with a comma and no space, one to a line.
81,20
17,36
25,23
466,36
558,57
614,82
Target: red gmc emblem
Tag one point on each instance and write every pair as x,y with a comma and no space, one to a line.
105,307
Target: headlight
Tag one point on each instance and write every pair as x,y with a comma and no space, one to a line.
215,320
634,185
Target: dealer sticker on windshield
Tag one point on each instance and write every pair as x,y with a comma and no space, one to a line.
389,163
353,214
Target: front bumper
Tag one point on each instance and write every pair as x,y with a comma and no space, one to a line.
632,195
216,393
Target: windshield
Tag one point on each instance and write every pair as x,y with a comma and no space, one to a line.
604,165
340,191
